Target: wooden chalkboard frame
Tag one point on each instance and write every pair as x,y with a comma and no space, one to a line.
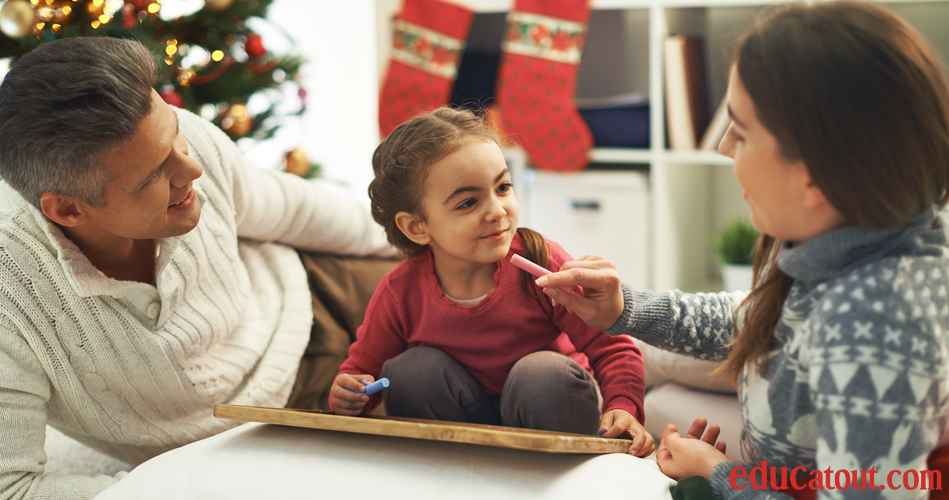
434,430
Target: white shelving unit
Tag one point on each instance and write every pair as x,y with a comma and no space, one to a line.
691,193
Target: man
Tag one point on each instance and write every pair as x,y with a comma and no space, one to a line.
147,274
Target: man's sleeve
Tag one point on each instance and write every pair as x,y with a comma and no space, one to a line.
24,390
269,205
315,216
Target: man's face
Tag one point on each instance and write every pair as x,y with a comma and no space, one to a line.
151,193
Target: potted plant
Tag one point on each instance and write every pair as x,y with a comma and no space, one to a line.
734,246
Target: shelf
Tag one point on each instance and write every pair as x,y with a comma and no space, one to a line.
910,1
697,157
620,155
711,3
646,156
505,5
485,6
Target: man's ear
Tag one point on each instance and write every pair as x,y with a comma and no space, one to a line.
412,227
63,210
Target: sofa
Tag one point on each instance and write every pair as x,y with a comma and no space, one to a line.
680,388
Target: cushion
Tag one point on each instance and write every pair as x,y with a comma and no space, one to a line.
341,288
666,366
672,403
255,461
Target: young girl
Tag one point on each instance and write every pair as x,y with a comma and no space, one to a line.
461,333
840,141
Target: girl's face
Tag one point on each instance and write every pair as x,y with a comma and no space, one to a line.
470,212
783,200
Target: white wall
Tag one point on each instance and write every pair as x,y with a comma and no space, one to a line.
340,128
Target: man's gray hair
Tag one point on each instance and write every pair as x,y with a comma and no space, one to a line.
66,104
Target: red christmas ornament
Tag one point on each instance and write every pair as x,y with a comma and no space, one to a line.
128,16
172,97
254,47
302,94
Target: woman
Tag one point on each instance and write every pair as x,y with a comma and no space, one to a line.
840,141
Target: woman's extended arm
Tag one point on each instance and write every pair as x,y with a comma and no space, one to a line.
698,325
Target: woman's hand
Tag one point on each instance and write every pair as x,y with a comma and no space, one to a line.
602,301
692,455
616,422
347,396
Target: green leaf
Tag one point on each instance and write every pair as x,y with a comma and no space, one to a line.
735,243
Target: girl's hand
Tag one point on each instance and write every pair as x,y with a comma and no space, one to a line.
693,455
616,422
710,437
348,394
602,301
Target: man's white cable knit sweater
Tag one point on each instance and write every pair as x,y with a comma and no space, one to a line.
134,369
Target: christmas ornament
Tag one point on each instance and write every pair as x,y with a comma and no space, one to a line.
254,46
236,121
427,44
214,75
172,96
216,5
538,78
17,18
129,17
297,163
260,68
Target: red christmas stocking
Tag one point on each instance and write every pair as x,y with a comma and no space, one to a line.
428,40
538,78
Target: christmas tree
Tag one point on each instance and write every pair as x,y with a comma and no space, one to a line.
209,60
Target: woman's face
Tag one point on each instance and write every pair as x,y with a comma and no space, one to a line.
779,192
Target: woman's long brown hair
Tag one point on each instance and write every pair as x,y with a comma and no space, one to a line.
858,95
402,160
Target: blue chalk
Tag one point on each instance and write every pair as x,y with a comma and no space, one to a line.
377,386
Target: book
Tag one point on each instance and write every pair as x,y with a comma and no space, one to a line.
716,127
620,121
686,101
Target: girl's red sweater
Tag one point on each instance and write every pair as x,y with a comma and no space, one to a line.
409,309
